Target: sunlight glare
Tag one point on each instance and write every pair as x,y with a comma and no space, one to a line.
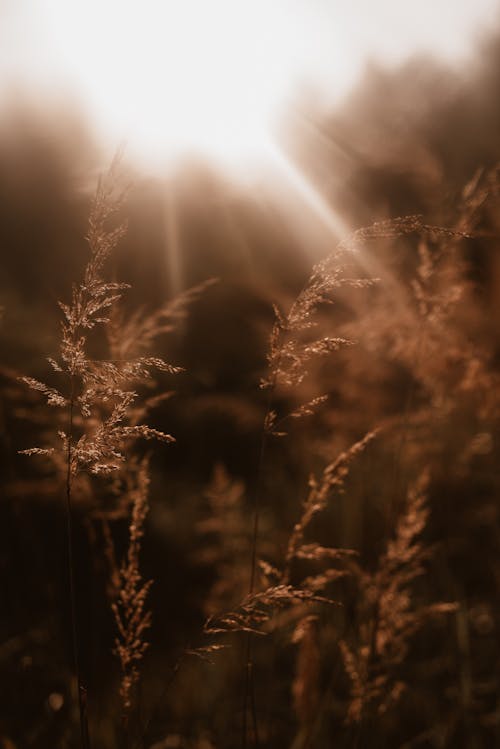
170,77
215,77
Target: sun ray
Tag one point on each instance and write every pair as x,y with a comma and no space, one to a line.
173,248
337,228
301,185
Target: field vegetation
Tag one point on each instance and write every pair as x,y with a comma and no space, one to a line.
251,513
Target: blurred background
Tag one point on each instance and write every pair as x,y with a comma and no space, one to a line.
257,135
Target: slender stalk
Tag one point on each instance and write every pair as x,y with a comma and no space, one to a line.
249,681
82,691
394,496
160,701
249,688
125,733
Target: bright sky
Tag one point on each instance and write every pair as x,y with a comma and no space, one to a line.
213,75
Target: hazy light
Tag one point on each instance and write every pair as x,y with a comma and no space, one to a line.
294,177
173,244
212,76
171,77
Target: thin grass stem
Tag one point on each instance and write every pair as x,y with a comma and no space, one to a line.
82,691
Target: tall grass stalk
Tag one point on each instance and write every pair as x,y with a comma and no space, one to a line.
100,403
82,690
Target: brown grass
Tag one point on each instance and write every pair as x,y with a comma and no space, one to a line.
352,611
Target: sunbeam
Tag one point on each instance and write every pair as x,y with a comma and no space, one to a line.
296,179
173,249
